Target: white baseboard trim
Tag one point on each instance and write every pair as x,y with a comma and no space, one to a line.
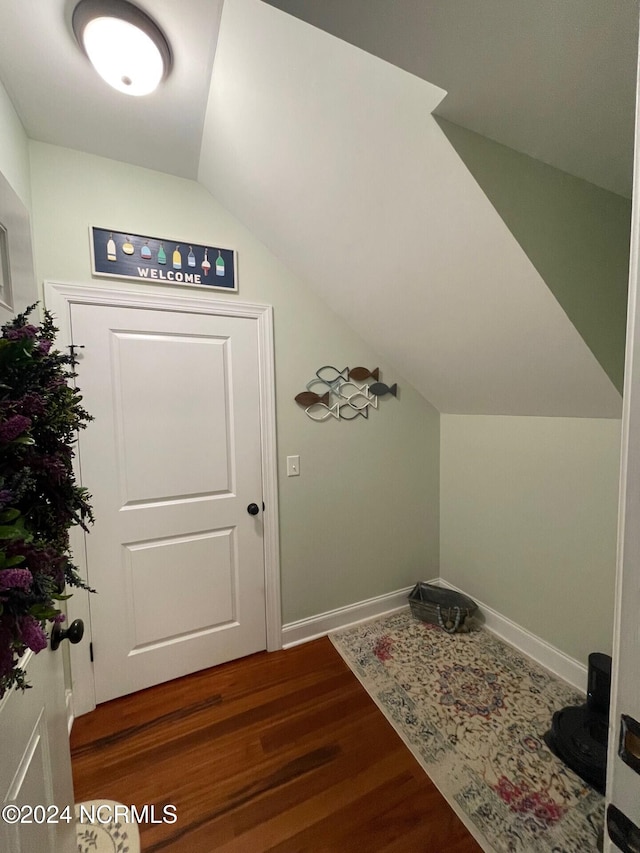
343,617
548,656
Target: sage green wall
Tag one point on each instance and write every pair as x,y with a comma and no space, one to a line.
529,522
574,233
14,149
362,519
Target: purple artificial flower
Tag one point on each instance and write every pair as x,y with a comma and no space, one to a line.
33,634
43,347
59,618
31,404
24,332
13,427
41,561
53,464
15,579
5,497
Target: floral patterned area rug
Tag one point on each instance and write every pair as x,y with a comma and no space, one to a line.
473,711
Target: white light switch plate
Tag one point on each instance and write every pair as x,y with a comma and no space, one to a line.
293,466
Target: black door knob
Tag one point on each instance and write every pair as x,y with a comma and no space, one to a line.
253,509
74,633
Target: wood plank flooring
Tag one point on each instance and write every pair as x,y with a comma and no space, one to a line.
282,752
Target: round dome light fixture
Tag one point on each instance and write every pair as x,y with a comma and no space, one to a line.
127,49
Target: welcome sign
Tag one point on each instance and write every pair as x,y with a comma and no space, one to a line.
116,254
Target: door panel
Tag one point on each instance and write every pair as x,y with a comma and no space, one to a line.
36,764
208,594
173,460
160,423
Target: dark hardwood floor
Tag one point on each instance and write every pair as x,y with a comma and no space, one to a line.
282,752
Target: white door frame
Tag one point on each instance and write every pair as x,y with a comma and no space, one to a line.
623,784
59,297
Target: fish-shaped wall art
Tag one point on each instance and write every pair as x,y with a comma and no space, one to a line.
360,400
317,384
332,376
362,373
349,413
380,389
320,412
347,389
308,398
333,393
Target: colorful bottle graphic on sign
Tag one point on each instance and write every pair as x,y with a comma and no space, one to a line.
111,249
116,254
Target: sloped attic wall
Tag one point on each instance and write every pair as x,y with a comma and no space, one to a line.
333,157
575,234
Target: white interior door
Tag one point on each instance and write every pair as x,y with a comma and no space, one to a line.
173,462
35,772
35,768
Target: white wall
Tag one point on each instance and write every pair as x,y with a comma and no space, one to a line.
15,202
14,151
529,522
363,517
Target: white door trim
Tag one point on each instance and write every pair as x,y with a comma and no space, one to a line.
59,297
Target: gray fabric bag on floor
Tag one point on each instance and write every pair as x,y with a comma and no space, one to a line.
449,609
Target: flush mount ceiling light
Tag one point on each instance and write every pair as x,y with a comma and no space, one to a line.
123,44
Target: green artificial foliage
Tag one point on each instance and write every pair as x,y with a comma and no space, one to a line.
40,414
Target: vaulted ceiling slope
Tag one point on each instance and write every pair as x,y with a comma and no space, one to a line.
554,80
332,157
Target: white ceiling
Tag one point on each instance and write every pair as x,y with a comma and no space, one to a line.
332,158
61,100
554,79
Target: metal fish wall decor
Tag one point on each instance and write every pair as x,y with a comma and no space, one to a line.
380,389
332,393
362,373
308,398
